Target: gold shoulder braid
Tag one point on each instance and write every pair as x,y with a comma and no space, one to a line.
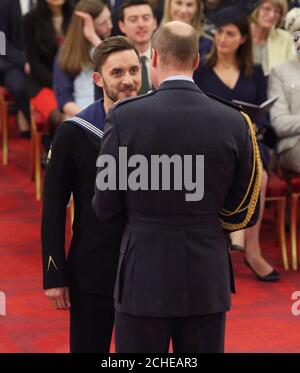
254,184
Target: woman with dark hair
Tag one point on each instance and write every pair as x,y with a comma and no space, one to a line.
73,67
229,72
44,31
272,46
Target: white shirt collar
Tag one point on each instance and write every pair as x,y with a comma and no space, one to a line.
179,77
147,54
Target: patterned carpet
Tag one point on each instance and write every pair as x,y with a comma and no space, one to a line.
260,321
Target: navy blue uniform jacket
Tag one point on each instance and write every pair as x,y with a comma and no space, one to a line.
174,257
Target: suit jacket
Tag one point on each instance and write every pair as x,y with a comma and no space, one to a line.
92,259
174,258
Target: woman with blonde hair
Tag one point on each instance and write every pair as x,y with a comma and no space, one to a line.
73,84
191,12
272,46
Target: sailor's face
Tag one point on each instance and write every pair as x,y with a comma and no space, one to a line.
121,75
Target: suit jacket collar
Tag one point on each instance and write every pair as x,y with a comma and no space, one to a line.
178,84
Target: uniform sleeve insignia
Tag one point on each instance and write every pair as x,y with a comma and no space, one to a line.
51,261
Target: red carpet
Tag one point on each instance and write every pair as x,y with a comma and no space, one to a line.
260,321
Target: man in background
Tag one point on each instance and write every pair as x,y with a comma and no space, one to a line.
137,22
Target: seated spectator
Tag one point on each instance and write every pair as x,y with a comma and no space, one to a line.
284,82
191,12
13,65
45,28
229,73
272,46
72,78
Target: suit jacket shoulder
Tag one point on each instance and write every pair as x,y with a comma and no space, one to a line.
128,100
225,102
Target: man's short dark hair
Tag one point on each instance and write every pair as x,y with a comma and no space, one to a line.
174,48
109,46
129,3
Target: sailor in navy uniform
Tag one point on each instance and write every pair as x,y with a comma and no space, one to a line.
85,279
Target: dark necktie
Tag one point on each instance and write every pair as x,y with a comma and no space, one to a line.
145,81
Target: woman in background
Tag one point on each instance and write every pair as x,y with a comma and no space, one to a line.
229,72
272,46
44,30
72,80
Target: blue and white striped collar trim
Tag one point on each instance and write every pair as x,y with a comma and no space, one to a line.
87,125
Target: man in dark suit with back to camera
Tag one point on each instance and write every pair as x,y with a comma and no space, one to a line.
175,276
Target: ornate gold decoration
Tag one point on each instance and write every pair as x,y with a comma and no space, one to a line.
254,185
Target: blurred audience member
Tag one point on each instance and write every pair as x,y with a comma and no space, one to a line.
72,79
45,28
157,6
137,22
229,72
13,65
272,45
210,7
285,114
190,12
27,5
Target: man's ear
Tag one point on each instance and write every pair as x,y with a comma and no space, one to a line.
122,26
154,58
97,78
